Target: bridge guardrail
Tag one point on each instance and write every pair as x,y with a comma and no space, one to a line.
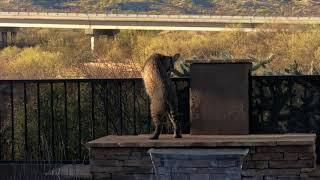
182,18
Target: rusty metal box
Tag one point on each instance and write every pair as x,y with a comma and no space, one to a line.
219,97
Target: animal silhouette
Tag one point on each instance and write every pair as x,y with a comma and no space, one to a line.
161,91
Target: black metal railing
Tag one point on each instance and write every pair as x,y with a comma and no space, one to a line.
286,104
282,104
51,120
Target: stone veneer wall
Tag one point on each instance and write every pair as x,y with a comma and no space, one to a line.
263,162
279,162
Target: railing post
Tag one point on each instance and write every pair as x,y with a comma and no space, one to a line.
1,135
12,121
120,107
134,108
25,121
38,119
52,122
250,94
66,139
149,114
92,110
106,106
79,120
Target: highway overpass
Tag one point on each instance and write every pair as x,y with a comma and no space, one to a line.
144,22
93,23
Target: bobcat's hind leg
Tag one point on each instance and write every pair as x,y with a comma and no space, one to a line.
156,118
175,124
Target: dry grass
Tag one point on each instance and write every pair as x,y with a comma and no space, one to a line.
67,54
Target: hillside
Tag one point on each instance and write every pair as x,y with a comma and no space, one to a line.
62,53
214,7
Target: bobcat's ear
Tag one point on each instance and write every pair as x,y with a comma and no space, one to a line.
176,57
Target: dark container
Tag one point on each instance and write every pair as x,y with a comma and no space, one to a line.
219,97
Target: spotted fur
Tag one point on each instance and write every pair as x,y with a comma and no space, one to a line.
160,89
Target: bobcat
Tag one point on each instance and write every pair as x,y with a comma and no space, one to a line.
160,89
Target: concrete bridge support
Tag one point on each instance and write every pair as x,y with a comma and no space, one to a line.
13,37
92,43
4,39
5,33
99,32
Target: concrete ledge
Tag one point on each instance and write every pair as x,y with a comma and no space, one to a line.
207,141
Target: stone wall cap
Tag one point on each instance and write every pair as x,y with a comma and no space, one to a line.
220,61
204,141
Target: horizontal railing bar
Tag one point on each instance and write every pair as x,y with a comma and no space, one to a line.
77,80
140,79
46,162
281,77
63,80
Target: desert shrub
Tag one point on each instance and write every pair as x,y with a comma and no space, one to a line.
34,62
9,53
288,48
